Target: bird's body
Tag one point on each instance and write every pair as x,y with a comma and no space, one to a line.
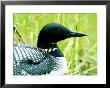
46,58
30,60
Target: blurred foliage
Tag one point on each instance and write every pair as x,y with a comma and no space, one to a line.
81,53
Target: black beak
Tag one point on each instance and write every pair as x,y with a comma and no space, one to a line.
76,34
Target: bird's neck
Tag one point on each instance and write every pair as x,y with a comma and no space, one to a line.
54,50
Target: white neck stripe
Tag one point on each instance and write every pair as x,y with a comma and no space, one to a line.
49,50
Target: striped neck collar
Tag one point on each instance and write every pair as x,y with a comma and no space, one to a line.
54,52
50,50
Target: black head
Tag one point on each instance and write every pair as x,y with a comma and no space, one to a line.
52,33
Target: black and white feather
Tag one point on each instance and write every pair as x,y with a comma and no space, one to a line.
29,60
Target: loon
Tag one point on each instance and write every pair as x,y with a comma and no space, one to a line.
46,58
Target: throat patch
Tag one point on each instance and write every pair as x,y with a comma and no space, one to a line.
56,52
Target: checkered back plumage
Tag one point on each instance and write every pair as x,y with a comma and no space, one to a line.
29,60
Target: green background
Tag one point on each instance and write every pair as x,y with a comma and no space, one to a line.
80,53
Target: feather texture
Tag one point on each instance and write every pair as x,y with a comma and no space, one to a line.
29,60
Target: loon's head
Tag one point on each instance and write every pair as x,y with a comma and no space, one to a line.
52,33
